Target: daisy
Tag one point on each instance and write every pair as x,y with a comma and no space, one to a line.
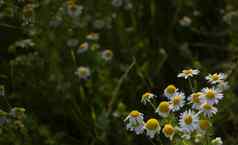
163,109
92,36
146,97
135,122
185,21
177,101
83,47
223,85
203,124
82,72
208,110
188,121
152,127
195,99
107,55
170,90
188,73
215,78
211,95
168,131
72,42
17,113
217,141
74,10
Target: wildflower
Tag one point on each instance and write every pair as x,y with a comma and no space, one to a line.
146,97
169,131
198,137
223,85
2,90
83,47
117,3
92,36
211,95
177,101
28,10
217,141
215,78
17,112
83,72
74,10
195,99
208,110
107,55
188,73
203,124
186,136
72,42
170,90
152,127
135,122
25,43
185,21
163,109
188,121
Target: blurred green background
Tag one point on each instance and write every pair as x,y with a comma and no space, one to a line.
151,41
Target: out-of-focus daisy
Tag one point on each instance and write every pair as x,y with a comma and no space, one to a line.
195,99
135,122
83,47
17,112
163,109
185,21
168,131
146,97
170,90
223,85
186,136
188,73
107,54
198,138
152,127
208,110
72,42
117,3
74,10
203,124
2,90
83,72
92,36
188,121
215,78
217,141
211,95
177,101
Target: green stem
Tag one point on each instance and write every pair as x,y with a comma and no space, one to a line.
153,106
190,85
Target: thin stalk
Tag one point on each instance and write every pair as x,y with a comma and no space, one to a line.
191,84
153,106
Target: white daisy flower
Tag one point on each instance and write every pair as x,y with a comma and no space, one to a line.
188,121
208,110
204,124
195,100
163,109
217,141
92,36
185,21
83,47
152,127
135,122
72,42
146,97
168,131
177,101
73,9
211,95
170,90
215,78
188,73
223,85
198,138
83,72
107,55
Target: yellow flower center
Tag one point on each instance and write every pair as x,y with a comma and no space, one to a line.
203,124
164,107
152,124
72,4
108,53
188,71
215,77
188,119
168,129
135,113
83,71
210,94
207,106
171,89
84,45
176,100
196,97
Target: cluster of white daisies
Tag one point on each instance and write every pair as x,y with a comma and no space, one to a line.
196,110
